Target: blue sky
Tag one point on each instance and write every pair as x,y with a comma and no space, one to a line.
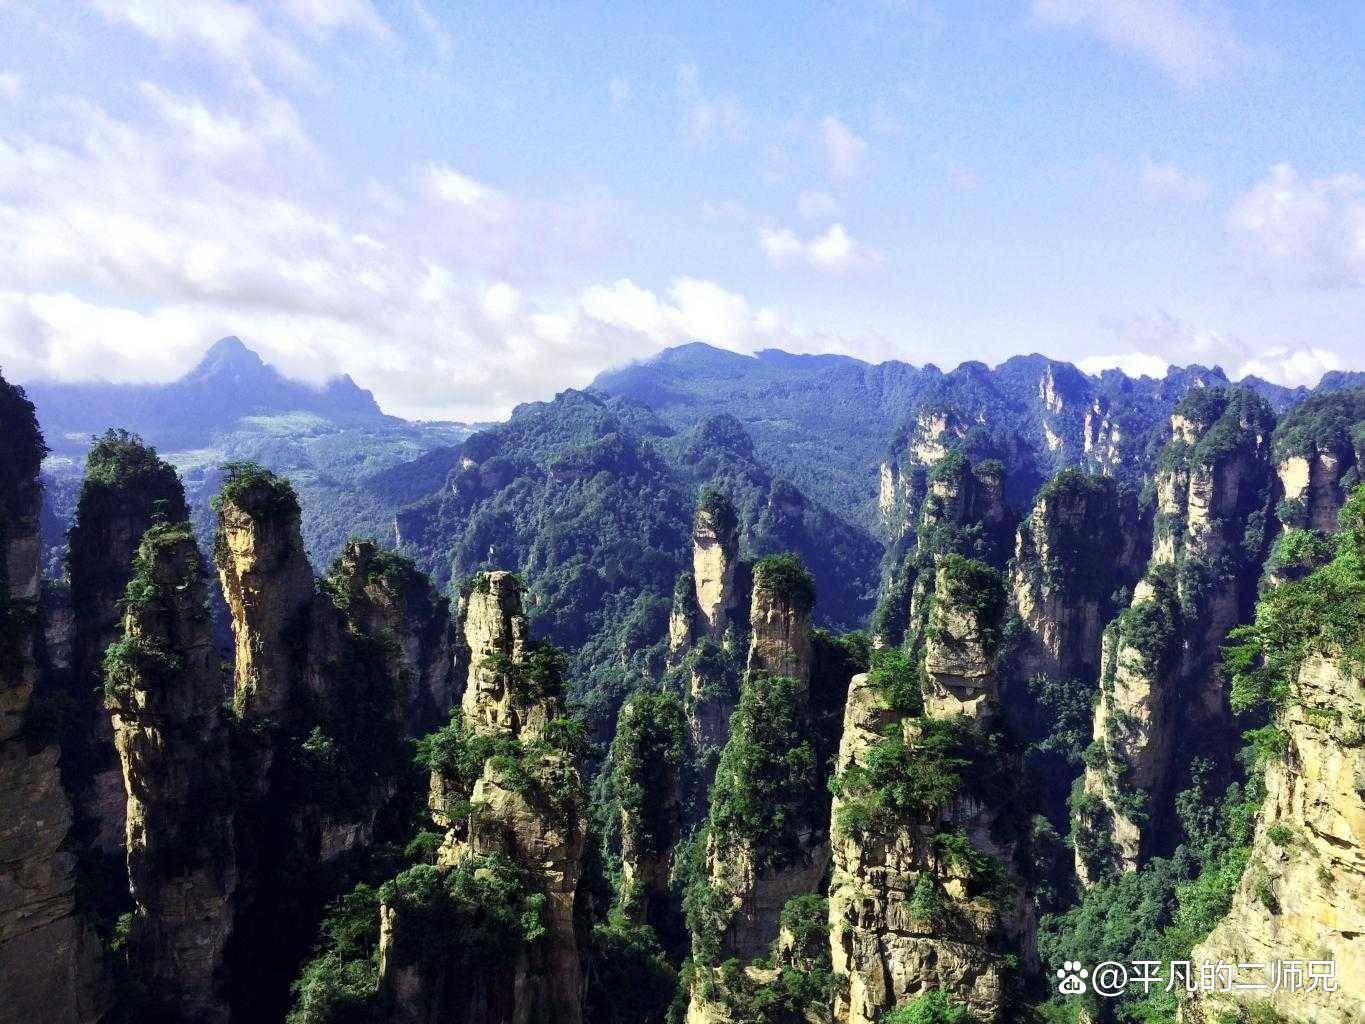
466,206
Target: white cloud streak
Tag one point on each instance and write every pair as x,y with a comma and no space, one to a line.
1303,231
1163,182
835,251
144,238
846,152
1190,43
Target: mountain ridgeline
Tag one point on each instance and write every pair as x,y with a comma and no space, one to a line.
775,689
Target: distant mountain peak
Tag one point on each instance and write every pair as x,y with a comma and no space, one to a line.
228,355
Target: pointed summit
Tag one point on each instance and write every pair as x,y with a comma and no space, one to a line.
229,356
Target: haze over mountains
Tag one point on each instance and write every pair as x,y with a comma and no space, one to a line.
823,422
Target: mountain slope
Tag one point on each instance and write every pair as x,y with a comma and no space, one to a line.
233,407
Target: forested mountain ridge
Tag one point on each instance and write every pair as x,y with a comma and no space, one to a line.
829,422
232,406
1107,707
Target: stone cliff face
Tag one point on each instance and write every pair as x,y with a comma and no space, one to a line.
268,585
165,687
384,595
1302,895
328,676
755,865
49,957
707,627
905,917
1082,541
918,899
779,623
1161,691
647,778
961,645
126,488
525,805
1319,449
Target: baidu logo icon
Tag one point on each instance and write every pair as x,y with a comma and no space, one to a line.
1071,978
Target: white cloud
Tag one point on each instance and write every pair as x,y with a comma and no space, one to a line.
845,151
814,205
706,118
441,39
451,298
1308,231
321,18
450,185
1190,42
1147,345
1292,366
1134,364
11,85
1166,181
231,33
619,91
835,251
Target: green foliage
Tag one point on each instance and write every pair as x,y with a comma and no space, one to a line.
459,754
967,585
339,985
806,918
124,478
707,909
258,492
1152,627
902,778
1324,612
1297,552
646,757
463,919
765,790
21,444
720,510
474,913
896,676
931,1008
929,904
629,979
787,577
137,659
1323,422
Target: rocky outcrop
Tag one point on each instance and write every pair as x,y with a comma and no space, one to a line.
1102,438
779,619
1081,542
707,628
766,839
1160,685
126,488
495,642
962,641
1318,450
49,957
165,687
647,778
524,804
328,676
383,595
268,585
906,915
707,600
1129,764
1302,895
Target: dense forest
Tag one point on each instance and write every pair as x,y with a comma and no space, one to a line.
775,689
